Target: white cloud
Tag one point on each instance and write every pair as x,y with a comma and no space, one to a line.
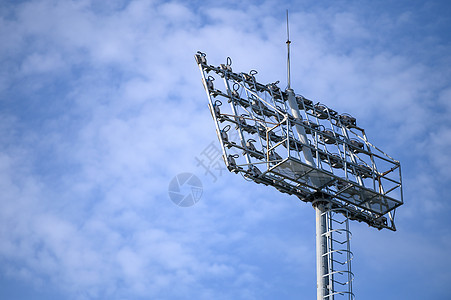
345,25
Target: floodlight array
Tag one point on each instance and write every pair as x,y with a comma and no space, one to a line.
261,139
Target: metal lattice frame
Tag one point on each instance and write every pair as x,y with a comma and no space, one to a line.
262,139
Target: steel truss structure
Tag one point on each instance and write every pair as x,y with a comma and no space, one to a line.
302,148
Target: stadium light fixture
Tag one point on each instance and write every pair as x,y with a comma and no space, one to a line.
308,150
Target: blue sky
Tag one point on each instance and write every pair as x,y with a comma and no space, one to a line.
101,105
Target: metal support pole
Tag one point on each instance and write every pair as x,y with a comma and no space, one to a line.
322,264
299,128
288,55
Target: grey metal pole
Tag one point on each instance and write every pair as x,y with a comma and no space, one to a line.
295,110
288,55
321,240
322,267
300,129
321,218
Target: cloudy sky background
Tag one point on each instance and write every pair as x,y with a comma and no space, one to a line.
101,105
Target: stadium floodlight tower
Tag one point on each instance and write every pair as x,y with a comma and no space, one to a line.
284,140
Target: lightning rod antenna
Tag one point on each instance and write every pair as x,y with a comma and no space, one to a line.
288,54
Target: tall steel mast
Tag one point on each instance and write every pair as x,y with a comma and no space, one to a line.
308,150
